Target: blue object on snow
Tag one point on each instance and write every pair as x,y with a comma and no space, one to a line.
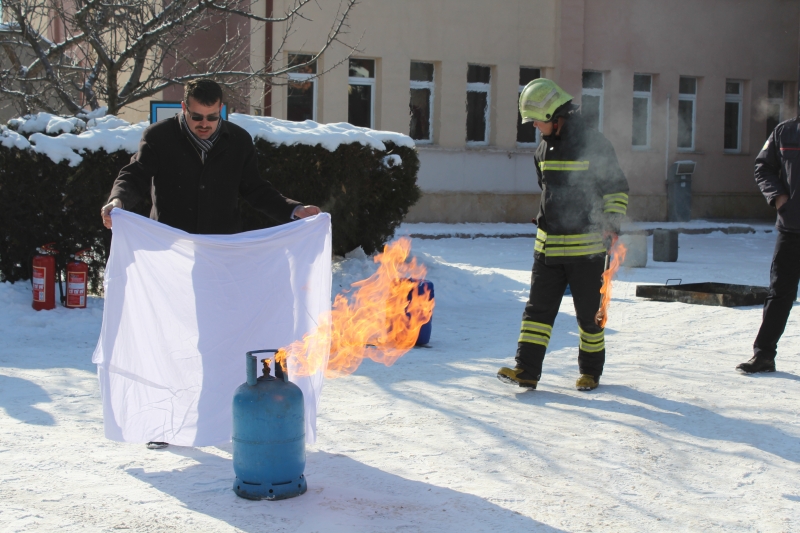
425,331
269,437
568,292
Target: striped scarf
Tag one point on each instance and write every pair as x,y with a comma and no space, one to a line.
203,146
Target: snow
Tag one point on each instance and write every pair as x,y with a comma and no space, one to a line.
329,136
392,160
673,440
11,139
55,148
110,133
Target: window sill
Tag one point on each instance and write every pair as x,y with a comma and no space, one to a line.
736,153
687,151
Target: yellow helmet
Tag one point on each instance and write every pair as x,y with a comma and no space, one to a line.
540,99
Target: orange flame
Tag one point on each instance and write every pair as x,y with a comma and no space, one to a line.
380,321
617,253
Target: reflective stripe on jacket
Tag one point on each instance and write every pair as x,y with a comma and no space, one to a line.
584,193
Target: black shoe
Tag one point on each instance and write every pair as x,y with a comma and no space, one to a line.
518,376
156,445
756,365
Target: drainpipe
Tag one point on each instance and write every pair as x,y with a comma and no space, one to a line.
666,151
267,57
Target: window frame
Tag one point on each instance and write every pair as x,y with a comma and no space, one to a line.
431,85
303,77
596,92
370,82
538,134
690,98
649,96
479,87
739,100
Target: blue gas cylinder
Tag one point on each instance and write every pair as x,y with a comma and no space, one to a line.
269,448
424,336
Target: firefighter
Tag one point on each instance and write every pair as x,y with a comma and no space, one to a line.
778,177
584,197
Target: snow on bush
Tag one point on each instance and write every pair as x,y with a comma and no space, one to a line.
329,136
111,133
46,123
11,139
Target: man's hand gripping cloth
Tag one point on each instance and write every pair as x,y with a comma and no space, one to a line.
180,312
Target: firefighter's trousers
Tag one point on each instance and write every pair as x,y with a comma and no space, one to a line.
783,279
548,283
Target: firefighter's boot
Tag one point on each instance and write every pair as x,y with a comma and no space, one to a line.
518,376
587,382
757,365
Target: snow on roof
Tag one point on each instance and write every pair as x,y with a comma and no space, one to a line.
329,136
112,133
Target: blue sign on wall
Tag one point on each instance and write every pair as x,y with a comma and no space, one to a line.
159,110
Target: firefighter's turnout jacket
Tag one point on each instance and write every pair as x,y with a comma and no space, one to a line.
584,193
778,172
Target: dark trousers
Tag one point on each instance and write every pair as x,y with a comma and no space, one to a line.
784,276
548,283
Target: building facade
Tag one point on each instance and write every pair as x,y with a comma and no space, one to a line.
700,80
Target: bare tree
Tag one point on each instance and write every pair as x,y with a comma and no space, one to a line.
70,55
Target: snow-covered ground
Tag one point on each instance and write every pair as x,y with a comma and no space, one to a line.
673,440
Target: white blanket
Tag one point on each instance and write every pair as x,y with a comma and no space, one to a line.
180,312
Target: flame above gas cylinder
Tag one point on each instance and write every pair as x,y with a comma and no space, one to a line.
380,320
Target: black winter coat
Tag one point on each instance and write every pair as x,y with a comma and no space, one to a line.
778,172
192,196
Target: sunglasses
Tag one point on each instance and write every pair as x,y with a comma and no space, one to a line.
197,117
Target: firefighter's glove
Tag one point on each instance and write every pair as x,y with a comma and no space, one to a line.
106,211
609,238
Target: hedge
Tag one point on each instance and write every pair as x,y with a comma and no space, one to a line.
43,202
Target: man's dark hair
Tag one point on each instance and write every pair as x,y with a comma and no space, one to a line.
203,90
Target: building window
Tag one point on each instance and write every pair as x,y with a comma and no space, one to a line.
301,103
527,135
733,116
592,99
361,93
421,104
642,110
687,112
775,110
478,101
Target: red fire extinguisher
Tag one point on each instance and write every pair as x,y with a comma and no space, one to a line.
44,278
77,281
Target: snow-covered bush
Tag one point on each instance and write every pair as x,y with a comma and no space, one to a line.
52,188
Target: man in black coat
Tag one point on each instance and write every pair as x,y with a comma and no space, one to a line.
778,176
195,167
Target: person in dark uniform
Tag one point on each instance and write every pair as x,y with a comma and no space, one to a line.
584,197
777,174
